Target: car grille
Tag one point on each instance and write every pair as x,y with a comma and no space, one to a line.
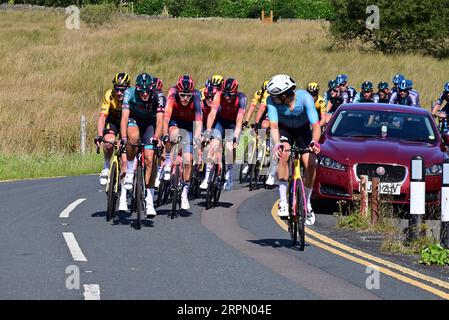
392,173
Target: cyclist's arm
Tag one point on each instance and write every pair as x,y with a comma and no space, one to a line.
168,112
104,112
273,118
198,116
161,102
357,98
252,106
101,124
312,115
393,98
240,114
125,114
211,117
413,100
438,105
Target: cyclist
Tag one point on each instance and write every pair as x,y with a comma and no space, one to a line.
108,126
142,117
334,100
366,95
383,92
346,92
216,80
228,115
444,97
403,95
396,80
183,117
291,113
260,121
313,88
410,84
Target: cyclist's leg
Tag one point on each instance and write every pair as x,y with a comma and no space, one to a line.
214,152
283,171
108,149
186,131
133,137
229,127
147,134
303,138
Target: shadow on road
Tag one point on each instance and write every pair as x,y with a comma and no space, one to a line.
123,218
276,243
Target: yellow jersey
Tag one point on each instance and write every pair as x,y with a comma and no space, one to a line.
260,97
320,106
111,107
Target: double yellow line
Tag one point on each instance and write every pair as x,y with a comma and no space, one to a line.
368,260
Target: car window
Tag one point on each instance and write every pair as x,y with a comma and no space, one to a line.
366,123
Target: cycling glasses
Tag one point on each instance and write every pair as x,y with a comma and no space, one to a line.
343,84
185,95
119,89
229,94
403,90
143,90
210,97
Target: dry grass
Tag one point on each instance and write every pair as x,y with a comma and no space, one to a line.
51,75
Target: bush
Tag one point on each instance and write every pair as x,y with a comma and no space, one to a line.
149,7
96,15
419,26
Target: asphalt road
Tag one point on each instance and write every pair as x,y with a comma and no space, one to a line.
236,251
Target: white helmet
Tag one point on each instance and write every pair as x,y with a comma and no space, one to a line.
280,84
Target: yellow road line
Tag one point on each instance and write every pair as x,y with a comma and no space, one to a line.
395,275
46,178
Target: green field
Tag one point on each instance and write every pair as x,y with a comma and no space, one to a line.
54,75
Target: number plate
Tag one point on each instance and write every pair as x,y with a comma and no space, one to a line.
386,188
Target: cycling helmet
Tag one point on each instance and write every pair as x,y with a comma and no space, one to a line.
313,88
121,79
217,80
159,84
409,83
264,85
144,82
230,86
210,91
382,86
446,87
403,85
332,84
367,86
397,79
280,84
185,84
341,78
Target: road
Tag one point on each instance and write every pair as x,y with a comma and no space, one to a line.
52,228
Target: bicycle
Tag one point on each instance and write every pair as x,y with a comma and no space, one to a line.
442,122
296,198
114,182
138,204
258,168
198,173
216,180
243,176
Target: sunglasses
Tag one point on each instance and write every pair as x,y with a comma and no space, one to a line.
334,91
343,84
209,97
403,91
185,95
229,94
119,89
370,91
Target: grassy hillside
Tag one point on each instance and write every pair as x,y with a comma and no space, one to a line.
51,75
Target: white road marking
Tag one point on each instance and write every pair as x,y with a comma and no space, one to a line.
91,292
74,248
70,208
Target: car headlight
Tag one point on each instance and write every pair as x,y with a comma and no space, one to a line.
331,164
434,170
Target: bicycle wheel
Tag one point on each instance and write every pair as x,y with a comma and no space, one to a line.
292,221
219,180
175,198
300,213
194,182
139,196
112,194
254,178
211,187
160,193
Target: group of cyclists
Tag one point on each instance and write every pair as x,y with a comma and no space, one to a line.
218,113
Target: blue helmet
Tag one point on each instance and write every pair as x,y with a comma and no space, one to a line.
398,78
409,83
367,86
382,85
341,78
446,87
403,85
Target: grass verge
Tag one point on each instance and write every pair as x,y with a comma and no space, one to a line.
51,165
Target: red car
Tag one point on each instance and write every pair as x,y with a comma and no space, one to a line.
378,140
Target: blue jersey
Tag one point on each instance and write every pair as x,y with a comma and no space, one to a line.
303,113
412,99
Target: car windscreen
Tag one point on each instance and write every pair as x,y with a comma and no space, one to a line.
370,123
